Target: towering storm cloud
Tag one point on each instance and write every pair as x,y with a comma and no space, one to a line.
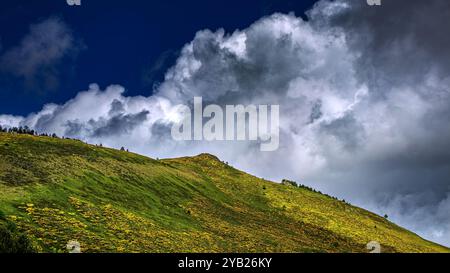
364,95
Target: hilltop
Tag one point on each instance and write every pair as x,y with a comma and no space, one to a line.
53,191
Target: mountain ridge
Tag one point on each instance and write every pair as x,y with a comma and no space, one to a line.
59,190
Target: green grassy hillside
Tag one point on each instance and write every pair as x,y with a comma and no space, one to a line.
53,191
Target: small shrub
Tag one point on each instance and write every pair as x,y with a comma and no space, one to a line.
289,183
11,241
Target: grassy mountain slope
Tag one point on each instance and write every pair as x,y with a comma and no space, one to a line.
53,191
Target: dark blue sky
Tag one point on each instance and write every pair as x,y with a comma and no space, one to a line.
130,43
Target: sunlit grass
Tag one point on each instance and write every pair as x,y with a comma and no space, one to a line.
54,191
